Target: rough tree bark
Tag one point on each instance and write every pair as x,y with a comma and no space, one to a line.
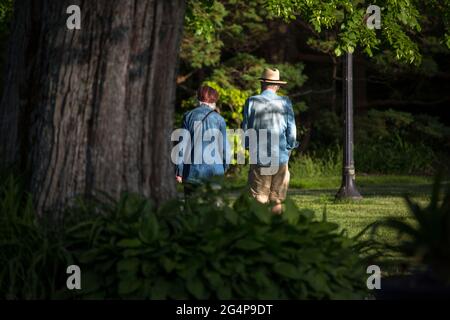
91,109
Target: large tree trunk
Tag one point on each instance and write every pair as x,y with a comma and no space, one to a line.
91,110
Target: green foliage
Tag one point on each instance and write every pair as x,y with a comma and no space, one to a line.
427,238
395,155
387,141
217,251
237,79
6,12
328,130
32,258
206,248
234,29
393,141
327,163
347,18
214,26
441,9
246,26
201,45
6,9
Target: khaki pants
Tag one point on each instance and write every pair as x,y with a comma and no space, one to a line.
265,188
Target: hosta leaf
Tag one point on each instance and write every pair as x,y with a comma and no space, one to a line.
196,287
291,213
248,244
129,285
90,256
129,265
149,229
129,243
160,289
148,268
168,264
287,270
224,292
232,217
214,279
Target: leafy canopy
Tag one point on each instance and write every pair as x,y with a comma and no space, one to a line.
400,23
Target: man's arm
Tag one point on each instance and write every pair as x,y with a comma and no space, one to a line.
244,124
245,115
226,146
291,130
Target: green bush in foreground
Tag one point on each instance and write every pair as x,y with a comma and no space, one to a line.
33,257
427,239
218,251
205,249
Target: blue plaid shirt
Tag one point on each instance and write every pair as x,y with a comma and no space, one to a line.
275,114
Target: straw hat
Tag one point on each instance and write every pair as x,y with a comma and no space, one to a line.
271,76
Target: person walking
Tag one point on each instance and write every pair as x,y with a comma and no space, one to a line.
272,115
207,130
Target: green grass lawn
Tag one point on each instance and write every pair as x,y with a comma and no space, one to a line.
383,196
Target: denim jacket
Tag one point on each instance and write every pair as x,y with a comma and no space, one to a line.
199,172
275,114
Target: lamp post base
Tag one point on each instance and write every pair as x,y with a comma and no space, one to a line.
348,189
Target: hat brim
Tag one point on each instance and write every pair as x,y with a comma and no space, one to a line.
272,81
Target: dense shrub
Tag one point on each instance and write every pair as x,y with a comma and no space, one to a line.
390,142
427,239
206,248
395,155
32,255
399,142
326,163
6,12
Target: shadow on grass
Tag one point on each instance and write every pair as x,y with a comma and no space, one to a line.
371,191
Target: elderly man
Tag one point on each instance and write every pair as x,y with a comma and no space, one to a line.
272,117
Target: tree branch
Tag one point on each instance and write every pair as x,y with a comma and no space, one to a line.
181,79
311,91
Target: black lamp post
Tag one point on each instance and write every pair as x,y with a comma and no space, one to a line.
348,188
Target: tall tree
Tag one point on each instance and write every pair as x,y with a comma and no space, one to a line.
92,109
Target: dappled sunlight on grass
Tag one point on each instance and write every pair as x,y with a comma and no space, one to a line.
380,201
355,216
383,197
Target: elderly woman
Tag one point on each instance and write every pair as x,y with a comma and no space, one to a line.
208,147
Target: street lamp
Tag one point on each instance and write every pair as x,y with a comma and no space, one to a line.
348,188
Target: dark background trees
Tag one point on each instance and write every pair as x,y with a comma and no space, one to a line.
401,93
93,109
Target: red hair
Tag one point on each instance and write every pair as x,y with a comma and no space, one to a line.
207,94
